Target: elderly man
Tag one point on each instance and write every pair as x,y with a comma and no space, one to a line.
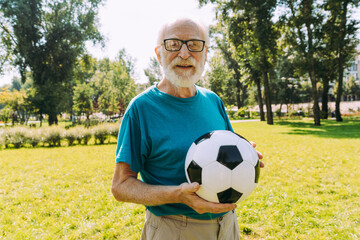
157,130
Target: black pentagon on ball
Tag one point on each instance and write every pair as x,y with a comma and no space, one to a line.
203,137
194,172
257,172
230,195
229,156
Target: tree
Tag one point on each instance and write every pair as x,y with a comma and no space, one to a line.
342,32
303,32
113,84
254,19
83,99
286,84
153,72
47,37
233,84
352,88
220,77
15,102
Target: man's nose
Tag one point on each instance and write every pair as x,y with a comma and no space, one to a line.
184,52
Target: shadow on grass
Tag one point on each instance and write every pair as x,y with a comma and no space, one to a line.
328,128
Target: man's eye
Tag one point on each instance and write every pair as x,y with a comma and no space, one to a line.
175,43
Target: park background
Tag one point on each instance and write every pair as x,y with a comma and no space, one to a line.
291,67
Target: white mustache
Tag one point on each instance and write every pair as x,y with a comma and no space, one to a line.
180,61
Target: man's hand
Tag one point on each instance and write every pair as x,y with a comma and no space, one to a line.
200,205
262,165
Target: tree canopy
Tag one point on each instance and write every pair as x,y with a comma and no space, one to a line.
46,38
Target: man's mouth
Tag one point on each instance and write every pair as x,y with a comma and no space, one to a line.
184,66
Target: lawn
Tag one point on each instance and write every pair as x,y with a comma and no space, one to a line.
309,188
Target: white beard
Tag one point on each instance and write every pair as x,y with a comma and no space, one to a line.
187,79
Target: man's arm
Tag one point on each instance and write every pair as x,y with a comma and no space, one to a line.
127,188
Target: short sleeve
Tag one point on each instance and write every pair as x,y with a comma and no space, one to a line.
131,147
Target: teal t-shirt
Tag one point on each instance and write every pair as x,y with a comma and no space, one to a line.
156,132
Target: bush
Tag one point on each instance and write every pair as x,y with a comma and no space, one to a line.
101,132
113,129
2,137
71,135
242,112
15,136
83,134
18,136
52,135
33,136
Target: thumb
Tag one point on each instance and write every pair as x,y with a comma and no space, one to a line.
191,187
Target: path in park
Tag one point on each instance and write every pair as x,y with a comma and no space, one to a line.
247,120
345,107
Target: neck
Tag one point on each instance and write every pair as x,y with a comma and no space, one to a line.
181,92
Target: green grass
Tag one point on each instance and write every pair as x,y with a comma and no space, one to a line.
309,188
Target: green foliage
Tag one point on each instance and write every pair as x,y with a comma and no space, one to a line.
249,44
220,78
47,38
33,136
52,135
242,113
352,87
113,129
82,102
2,138
101,133
113,84
71,135
15,136
17,105
83,135
230,111
5,114
153,72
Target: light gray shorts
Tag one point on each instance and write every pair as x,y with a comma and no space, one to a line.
179,227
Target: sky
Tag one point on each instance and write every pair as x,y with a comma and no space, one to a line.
134,25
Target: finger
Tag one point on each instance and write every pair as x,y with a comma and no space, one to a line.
260,155
262,165
253,144
223,207
190,187
216,207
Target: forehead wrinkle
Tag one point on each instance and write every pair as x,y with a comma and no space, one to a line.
185,29
187,38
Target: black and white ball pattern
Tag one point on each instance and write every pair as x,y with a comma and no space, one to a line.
225,165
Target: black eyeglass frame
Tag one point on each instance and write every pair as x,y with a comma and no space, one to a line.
184,42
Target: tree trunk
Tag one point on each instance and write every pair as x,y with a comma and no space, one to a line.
259,98
243,94
269,116
316,109
238,91
52,119
40,118
325,99
341,61
310,60
339,93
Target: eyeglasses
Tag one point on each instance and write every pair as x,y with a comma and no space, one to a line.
193,45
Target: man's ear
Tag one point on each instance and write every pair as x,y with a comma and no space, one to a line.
157,51
206,52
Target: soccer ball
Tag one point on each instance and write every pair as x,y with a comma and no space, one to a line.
225,165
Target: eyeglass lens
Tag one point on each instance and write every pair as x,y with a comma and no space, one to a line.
192,45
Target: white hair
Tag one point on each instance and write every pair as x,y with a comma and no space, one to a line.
204,29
